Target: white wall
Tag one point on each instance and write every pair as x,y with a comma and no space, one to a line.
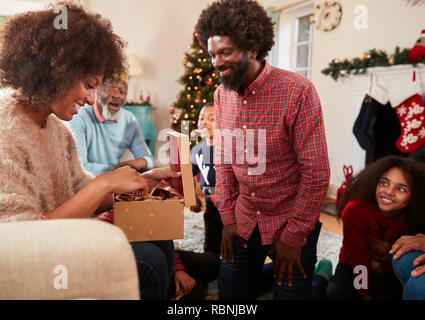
390,23
11,7
158,32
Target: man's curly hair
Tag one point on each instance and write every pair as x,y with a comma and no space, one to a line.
43,63
245,22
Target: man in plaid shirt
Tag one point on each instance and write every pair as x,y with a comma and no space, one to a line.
272,171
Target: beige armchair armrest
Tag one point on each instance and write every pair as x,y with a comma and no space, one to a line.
66,259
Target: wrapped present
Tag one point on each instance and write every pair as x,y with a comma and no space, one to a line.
159,215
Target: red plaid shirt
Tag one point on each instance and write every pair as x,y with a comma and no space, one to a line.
285,199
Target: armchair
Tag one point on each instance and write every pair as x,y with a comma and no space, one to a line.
66,259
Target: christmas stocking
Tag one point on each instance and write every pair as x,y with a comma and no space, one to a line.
376,98
410,111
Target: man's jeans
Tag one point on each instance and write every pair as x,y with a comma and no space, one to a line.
413,287
239,280
155,263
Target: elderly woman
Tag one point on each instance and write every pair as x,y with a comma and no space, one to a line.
51,73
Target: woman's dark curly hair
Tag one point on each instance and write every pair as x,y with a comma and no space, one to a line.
43,63
363,187
245,22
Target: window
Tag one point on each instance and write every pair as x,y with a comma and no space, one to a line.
303,46
295,39
2,18
11,7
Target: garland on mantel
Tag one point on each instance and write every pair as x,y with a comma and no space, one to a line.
372,58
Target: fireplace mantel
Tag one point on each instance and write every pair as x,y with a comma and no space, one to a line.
392,79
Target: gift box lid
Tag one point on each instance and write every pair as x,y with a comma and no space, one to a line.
180,161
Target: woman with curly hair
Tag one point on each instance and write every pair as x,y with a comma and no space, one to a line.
381,203
273,205
50,73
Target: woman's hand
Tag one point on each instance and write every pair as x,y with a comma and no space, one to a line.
419,262
408,243
96,197
122,180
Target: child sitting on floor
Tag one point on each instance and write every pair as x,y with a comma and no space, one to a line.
204,267
381,203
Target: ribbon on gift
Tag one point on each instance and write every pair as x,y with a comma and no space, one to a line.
162,191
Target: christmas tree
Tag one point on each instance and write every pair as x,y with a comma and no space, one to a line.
200,81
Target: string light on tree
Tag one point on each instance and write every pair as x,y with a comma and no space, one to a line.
199,83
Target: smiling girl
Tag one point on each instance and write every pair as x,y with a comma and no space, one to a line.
382,202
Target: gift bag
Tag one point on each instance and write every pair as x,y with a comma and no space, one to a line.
348,173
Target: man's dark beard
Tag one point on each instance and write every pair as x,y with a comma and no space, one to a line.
234,82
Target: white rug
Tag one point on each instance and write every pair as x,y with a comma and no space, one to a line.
328,245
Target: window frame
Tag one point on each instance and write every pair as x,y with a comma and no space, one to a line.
297,44
288,36
12,7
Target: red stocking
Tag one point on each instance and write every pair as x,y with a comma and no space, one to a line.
410,111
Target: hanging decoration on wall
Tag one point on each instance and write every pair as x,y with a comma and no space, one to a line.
327,15
372,58
410,109
418,50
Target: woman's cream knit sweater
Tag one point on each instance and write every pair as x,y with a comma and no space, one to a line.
39,167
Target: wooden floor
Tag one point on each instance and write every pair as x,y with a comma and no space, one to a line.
331,223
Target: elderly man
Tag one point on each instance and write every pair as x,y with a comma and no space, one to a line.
104,131
274,210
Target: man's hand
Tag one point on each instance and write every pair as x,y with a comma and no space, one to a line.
411,243
137,164
286,258
408,243
228,235
185,281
